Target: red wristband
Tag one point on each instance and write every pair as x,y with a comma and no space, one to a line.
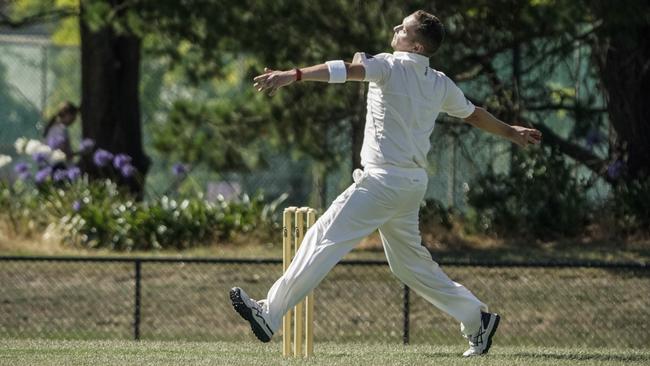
298,74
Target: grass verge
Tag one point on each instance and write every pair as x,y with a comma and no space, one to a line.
40,352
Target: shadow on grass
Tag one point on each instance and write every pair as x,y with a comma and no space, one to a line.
582,356
553,356
441,354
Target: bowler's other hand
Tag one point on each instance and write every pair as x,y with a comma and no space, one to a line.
523,136
271,80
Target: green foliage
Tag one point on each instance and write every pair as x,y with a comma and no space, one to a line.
556,43
433,211
65,29
482,39
98,214
21,208
213,133
249,36
630,206
540,197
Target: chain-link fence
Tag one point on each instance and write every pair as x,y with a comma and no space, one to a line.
173,299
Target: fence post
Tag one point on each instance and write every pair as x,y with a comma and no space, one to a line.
44,67
406,311
136,314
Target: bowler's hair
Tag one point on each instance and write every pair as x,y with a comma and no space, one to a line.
430,32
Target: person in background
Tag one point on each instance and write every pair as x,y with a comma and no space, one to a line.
56,130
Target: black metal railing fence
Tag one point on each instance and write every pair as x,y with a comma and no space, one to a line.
544,304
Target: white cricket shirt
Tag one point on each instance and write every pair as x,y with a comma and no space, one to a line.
405,97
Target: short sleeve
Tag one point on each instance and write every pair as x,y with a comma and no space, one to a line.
455,103
377,67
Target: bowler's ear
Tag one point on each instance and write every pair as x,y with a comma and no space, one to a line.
418,48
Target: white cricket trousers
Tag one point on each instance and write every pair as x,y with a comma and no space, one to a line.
387,199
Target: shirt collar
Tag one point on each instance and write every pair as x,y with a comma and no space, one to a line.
417,58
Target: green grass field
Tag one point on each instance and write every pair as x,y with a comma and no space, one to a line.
41,352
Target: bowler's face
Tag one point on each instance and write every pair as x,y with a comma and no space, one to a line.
404,37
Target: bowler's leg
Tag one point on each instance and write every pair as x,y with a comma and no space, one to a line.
352,216
412,264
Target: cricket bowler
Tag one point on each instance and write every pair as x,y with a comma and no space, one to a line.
405,96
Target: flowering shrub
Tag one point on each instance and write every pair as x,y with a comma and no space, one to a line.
4,160
97,213
105,218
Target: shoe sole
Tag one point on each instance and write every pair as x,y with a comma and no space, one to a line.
494,329
246,313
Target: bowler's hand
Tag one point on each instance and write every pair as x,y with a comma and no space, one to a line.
523,136
271,80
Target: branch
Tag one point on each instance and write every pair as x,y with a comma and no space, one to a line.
574,151
119,9
476,69
499,88
561,46
577,152
560,107
503,47
42,17
470,74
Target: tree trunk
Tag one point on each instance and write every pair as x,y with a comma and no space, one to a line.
110,108
625,77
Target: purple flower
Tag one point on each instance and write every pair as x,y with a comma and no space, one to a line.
24,175
127,170
76,206
60,175
615,169
41,158
21,168
43,174
179,169
121,160
102,157
74,173
86,145
56,141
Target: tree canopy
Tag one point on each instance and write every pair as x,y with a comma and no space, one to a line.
575,69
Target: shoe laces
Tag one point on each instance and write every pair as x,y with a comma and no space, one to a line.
260,303
476,339
253,303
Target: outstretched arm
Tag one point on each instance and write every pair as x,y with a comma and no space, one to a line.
271,80
521,136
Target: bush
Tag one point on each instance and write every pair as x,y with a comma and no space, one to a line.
98,213
540,197
434,212
630,206
164,222
21,209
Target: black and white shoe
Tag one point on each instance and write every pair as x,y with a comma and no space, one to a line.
480,342
252,311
